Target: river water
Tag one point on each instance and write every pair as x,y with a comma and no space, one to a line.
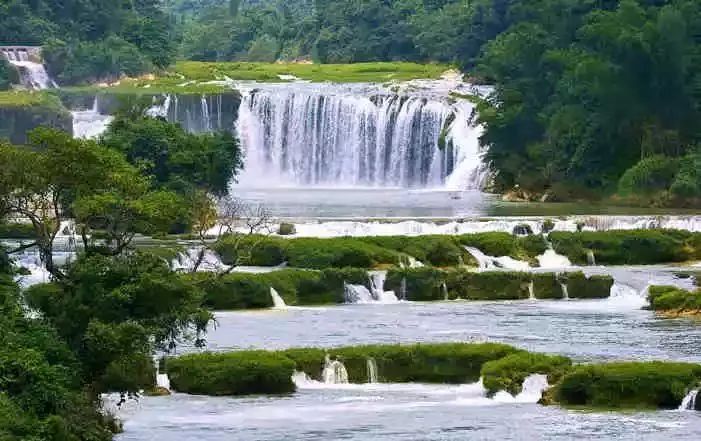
596,330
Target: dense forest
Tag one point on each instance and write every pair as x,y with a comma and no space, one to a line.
592,97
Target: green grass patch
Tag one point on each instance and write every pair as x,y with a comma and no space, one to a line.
337,73
579,286
28,98
656,385
547,286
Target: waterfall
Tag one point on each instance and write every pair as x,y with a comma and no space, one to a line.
328,135
591,259
278,302
357,294
531,291
34,74
444,288
689,401
89,124
372,371
377,286
186,261
334,372
403,288
486,262
550,259
565,291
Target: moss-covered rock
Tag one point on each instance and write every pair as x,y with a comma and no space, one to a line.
497,285
579,286
658,385
670,299
629,247
547,286
417,284
286,229
508,373
236,373
22,111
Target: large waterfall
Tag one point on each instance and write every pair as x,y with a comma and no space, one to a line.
339,136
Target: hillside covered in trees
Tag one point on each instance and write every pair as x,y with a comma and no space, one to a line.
592,97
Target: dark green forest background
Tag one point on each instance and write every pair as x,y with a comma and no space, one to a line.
593,97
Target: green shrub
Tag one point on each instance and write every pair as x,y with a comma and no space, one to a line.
8,75
658,385
632,247
251,250
508,373
671,298
337,253
236,373
234,291
547,286
593,287
650,175
434,250
286,229
17,231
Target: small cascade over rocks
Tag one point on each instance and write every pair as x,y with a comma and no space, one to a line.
565,291
187,261
591,259
357,135
372,371
486,262
90,123
550,259
689,401
26,59
334,372
531,392
278,302
531,291
377,285
358,294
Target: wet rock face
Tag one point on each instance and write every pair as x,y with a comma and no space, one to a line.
15,122
697,405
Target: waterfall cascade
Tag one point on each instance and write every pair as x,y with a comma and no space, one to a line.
357,294
278,302
334,372
372,371
565,291
531,291
486,262
330,135
689,402
90,123
377,284
34,75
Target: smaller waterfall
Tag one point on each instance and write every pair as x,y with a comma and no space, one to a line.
377,285
531,392
357,294
550,259
531,291
185,262
334,372
403,288
372,371
591,259
34,74
278,302
444,288
486,262
689,402
89,124
565,291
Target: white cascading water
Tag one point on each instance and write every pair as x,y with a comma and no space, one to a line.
372,371
89,124
565,291
334,372
278,302
34,74
689,401
531,291
486,262
186,261
335,137
377,285
357,294
531,392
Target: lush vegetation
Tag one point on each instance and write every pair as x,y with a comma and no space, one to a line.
177,160
656,385
509,372
237,373
431,284
20,112
628,247
88,40
673,300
